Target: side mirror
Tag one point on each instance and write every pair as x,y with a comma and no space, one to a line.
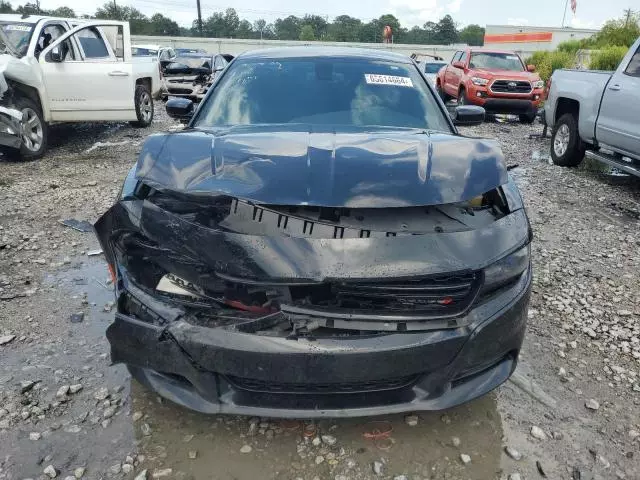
468,115
56,55
180,108
458,64
531,68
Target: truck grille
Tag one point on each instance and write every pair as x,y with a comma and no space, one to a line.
319,388
433,296
511,86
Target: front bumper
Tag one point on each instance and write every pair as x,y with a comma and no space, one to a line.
214,370
10,128
511,104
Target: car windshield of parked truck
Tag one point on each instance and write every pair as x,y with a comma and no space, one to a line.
143,52
496,61
15,38
323,91
433,67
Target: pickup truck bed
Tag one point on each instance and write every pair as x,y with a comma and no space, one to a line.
596,112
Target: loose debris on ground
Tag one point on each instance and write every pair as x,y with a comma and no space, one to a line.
573,411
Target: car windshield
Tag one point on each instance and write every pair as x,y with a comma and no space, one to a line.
322,91
496,61
191,62
15,38
143,52
433,67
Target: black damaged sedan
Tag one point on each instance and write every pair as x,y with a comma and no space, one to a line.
319,241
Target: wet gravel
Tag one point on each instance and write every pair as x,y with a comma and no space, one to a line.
571,412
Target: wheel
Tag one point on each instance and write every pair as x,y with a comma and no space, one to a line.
445,98
462,97
34,129
528,118
144,107
567,149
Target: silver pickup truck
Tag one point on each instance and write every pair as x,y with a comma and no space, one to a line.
597,114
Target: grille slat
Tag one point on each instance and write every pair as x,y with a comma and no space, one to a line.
511,86
262,386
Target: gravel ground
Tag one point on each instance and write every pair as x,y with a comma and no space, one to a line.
571,411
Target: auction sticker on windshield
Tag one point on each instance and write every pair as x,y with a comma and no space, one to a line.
17,28
374,79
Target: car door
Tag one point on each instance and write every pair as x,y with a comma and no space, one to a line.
88,82
450,77
458,73
617,124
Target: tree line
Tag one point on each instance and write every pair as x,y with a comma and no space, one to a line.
228,24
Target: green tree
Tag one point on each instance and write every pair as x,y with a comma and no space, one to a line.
446,32
29,9
394,23
607,58
318,23
259,26
622,32
345,29
472,35
161,25
244,30
306,33
5,7
288,28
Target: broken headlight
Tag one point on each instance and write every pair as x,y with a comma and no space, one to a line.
506,269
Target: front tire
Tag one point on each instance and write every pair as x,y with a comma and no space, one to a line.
144,106
35,131
528,118
567,149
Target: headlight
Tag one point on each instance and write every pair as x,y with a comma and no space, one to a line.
506,269
481,82
538,84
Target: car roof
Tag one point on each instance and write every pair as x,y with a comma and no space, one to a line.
149,46
33,19
490,50
345,52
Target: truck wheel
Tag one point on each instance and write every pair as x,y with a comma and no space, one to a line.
528,118
462,97
144,107
34,129
445,98
567,149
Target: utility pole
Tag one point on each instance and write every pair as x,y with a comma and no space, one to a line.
565,12
199,18
628,12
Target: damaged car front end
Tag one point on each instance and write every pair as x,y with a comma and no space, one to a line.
307,270
10,117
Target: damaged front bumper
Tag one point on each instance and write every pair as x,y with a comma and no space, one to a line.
10,118
249,322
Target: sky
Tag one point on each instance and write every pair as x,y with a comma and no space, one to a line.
410,12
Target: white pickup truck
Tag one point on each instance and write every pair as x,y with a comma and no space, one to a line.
597,114
69,70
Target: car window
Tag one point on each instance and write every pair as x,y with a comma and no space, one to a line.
456,57
433,67
164,54
464,57
321,91
143,52
633,69
48,34
219,62
496,61
15,37
92,43
115,36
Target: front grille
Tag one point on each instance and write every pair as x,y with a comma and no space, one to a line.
263,386
178,90
434,296
511,86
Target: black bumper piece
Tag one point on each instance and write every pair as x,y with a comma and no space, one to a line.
512,106
214,370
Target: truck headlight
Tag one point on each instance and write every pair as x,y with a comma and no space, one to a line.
538,84
506,269
481,82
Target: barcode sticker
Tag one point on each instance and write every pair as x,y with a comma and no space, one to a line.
373,79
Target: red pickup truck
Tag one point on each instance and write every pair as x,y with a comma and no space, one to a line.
497,80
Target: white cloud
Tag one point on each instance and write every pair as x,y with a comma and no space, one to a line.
578,23
417,12
517,21
454,6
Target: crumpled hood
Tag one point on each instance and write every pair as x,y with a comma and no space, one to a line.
385,168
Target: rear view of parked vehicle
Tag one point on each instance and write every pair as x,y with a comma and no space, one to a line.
319,241
191,75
